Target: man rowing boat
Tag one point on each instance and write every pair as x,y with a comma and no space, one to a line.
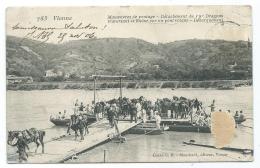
212,106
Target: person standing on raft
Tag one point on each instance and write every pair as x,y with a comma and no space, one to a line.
157,120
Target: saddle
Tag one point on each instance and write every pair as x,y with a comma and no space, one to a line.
26,134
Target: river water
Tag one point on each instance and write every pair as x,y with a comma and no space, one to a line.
26,109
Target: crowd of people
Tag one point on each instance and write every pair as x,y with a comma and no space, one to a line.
135,109
202,118
143,109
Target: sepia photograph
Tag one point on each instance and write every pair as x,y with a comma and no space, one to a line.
129,84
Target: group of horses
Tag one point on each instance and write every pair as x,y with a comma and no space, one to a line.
180,107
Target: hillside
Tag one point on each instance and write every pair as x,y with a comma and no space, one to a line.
186,59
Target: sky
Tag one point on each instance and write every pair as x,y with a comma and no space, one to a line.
236,26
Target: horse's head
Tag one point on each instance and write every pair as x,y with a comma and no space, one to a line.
74,119
12,137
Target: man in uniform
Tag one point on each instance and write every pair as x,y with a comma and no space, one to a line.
64,115
111,115
212,106
133,111
81,107
59,116
22,145
241,116
157,120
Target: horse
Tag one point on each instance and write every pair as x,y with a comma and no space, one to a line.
29,136
78,123
184,107
147,106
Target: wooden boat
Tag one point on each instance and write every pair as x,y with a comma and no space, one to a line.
193,128
190,128
65,122
148,129
91,117
60,122
239,120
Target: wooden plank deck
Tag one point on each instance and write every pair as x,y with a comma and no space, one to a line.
62,149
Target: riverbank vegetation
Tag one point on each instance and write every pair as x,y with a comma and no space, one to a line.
128,84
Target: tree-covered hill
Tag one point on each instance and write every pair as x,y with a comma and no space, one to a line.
181,60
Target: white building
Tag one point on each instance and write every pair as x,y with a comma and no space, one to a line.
52,73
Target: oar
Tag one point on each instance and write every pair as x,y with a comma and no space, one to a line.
243,151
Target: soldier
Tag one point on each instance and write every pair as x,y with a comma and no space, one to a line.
241,116
111,115
22,145
139,109
81,107
133,111
157,120
212,106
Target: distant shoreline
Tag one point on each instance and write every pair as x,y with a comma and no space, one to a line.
102,85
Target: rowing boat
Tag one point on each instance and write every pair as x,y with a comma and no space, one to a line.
60,122
148,129
65,122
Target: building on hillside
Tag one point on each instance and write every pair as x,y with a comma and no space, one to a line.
53,73
156,66
82,77
232,66
67,75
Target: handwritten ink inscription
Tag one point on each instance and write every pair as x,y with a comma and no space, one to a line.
57,34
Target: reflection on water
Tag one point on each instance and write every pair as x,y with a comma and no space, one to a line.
149,148
26,109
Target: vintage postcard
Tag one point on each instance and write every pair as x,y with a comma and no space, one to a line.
129,84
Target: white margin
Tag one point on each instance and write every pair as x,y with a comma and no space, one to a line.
256,68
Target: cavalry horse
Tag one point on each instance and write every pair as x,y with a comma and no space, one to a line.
27,136
78,123
178,106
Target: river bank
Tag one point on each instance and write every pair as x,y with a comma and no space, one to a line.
101,85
